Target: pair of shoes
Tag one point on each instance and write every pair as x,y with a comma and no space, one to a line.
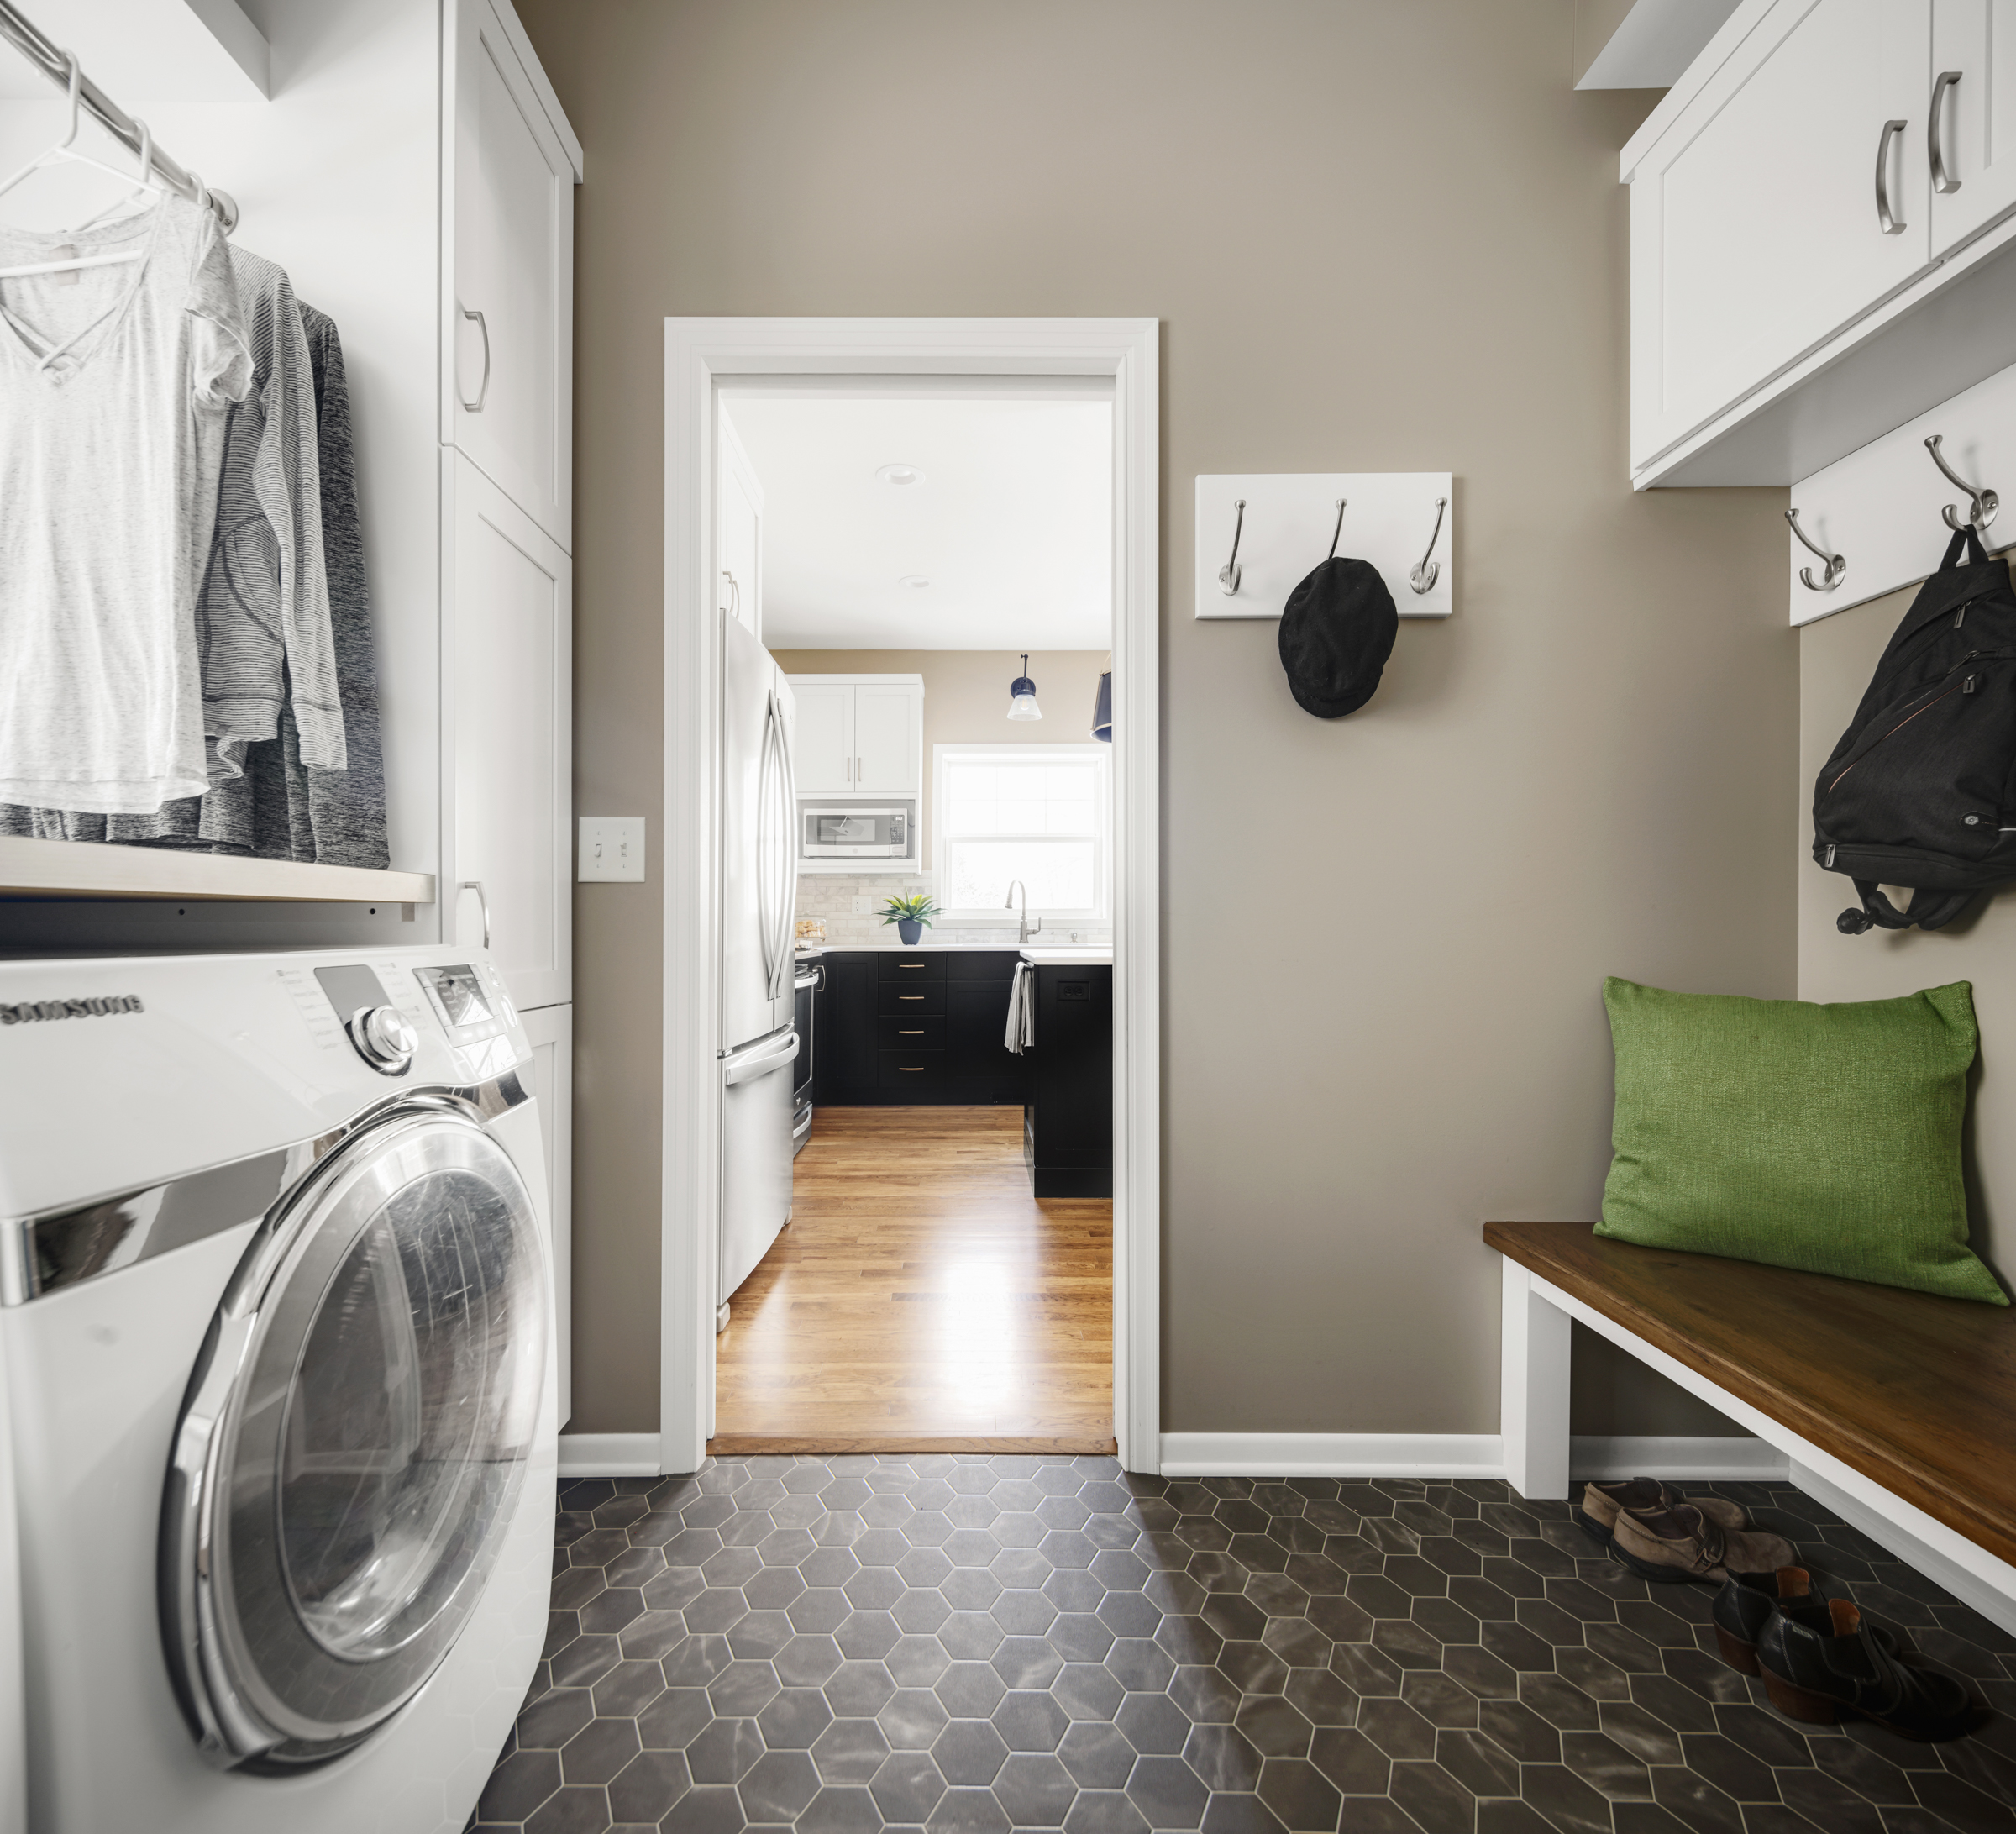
1817,1671
1667,1539
1748,1601
1603,1503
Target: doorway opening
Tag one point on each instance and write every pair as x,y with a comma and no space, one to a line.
911,1190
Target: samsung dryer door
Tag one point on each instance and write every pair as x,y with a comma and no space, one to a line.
354,1441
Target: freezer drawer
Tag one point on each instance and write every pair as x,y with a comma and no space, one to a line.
756,1124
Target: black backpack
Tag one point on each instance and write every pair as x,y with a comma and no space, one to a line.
1921,789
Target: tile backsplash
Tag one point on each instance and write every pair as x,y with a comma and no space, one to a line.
850,906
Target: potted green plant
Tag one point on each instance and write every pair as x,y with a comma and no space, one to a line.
909,915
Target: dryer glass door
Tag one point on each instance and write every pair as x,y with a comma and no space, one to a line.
355,1441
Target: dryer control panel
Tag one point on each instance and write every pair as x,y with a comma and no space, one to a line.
475,1012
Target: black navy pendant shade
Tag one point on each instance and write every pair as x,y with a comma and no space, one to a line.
1021,696
1337,632
1102,709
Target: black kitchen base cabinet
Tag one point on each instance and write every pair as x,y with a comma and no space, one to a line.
1067,1122
901,1029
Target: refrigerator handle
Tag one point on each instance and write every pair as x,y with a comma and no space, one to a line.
787,849
766,809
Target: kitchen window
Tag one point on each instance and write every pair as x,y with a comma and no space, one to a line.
1042,814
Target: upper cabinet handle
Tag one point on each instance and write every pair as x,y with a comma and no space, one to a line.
1890,225
482,388
1942,180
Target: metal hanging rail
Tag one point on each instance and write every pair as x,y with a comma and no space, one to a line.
27,37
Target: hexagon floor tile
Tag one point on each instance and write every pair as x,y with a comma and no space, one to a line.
971,1644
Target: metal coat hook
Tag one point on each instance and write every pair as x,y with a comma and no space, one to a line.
1338,531
1837,564
1422,575
1983,502
1228,575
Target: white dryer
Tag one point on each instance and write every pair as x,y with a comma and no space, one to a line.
276,1310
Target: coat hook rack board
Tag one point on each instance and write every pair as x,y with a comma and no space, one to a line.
1259,533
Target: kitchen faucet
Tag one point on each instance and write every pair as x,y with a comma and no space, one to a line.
1028,928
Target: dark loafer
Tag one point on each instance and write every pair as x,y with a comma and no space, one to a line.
1601,1503
1682,1544
1817,1675
1746,1601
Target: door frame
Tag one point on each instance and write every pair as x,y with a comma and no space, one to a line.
699,354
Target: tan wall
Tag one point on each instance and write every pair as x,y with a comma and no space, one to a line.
1836,658
966,696
1376,237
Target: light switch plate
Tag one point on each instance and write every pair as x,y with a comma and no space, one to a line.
613,847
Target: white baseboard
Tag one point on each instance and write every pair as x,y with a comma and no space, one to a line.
609,1455
1454,1455
1677,1459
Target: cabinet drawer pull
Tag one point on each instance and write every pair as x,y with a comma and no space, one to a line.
913,967
911,1032
911,1070
910,996
1942,180
483,387
1890,225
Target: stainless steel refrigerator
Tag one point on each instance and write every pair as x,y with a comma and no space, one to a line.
758,902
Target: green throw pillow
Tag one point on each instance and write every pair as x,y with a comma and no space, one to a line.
1820,1138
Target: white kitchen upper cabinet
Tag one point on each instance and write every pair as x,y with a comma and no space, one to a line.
550,1032
507,671
825,737
1970,118
888,752
1789,197
738,536
510,165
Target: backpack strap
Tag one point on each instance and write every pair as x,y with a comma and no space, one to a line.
1877,912
1964,537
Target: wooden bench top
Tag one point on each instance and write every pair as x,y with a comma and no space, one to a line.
1915,1392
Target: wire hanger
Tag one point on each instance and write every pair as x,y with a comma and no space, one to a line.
64,152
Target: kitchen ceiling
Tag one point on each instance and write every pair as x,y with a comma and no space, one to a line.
1009,521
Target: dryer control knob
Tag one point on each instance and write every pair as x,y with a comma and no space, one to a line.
385,1038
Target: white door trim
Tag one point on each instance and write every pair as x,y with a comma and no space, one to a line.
698,354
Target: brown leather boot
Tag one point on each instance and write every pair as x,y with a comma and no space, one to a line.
1601,1503
1682,1544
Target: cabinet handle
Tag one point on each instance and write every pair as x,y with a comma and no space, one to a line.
482,904
1942,180
911,1070
910,996
1889,224
482,388
911,1032
912,968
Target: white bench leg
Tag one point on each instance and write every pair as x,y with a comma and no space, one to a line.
1534,1403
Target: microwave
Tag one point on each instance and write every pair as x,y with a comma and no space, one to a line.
853,834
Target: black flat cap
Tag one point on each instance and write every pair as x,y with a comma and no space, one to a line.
1336,633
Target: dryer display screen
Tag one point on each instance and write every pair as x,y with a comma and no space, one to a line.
457,995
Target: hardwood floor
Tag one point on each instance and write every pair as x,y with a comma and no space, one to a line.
922,1300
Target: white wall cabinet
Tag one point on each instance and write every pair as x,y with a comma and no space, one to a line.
1823,234
859,735
507,660
550,1030
509,165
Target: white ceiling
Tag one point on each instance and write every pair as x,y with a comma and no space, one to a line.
1012,522
139,51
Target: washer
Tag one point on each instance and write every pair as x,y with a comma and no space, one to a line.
276,1312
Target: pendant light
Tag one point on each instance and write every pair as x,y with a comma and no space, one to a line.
1102,704
1021,695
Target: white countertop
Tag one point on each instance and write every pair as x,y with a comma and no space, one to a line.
1040,957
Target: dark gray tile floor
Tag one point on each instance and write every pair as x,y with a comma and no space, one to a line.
979,1644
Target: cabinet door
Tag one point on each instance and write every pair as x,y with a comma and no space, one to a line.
1974,40
738,534
981,1067
508,342
825,736
886,751
551,1030
507,608
843,1031
1755,232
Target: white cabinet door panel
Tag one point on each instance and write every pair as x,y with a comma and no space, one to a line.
551,1031
825,737
1975,41
1755,232
508,668
886,740
509,336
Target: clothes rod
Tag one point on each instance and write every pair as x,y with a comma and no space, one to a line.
26,37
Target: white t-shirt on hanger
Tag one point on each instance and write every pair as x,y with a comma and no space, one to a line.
115,383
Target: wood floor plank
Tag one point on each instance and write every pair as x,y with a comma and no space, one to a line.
922,1300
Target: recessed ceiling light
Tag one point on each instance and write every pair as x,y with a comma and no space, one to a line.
900,474
916,581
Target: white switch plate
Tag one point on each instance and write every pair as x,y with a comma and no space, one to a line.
613,847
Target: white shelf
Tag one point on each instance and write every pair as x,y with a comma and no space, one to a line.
36,868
